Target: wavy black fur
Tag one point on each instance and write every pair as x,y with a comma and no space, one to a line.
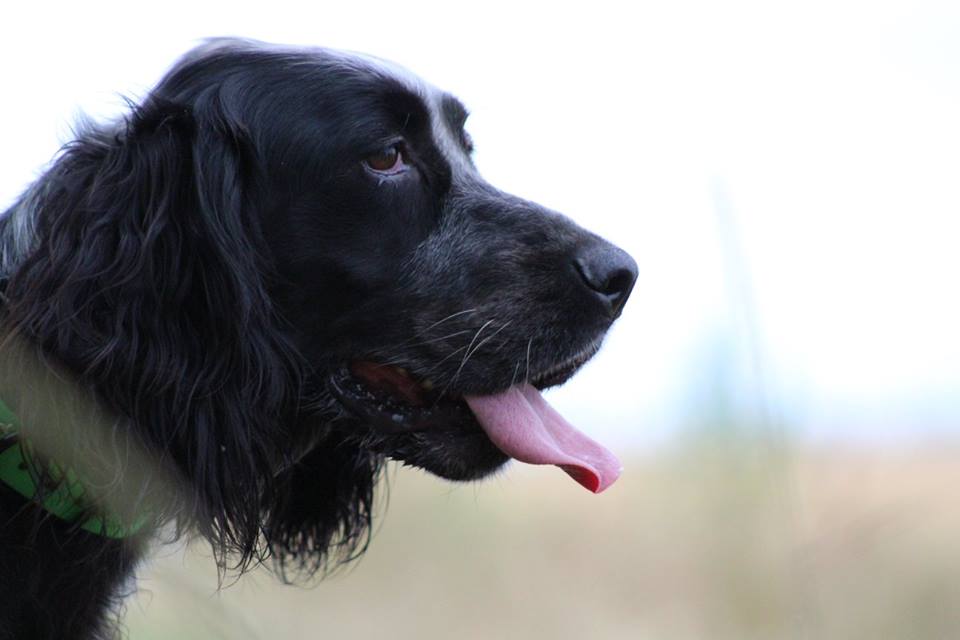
195,273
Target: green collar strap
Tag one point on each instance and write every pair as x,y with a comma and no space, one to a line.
66,498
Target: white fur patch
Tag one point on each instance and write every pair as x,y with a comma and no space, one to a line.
432,97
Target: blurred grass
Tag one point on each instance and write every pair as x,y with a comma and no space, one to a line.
738,541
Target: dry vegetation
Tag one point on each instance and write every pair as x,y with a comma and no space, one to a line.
735,543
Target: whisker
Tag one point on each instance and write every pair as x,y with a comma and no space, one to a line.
449,335
413,341
477,348
516,370
437,364
470,346
502,345
484,341
402,361
527,373
466,356
450,317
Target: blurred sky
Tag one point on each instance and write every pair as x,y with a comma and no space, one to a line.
786,176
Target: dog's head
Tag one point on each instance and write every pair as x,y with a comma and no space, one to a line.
433,306
273,214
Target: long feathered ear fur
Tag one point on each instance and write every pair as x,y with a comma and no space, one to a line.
322,510
147,281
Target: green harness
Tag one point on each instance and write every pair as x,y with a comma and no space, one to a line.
66,499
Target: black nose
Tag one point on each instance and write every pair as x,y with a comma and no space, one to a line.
609,272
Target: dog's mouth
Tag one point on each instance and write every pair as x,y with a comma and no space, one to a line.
517,420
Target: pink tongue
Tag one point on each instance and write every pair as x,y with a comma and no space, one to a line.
521,423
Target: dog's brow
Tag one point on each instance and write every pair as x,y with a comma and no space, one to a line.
454,111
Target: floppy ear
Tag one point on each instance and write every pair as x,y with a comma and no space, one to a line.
146,281
322,510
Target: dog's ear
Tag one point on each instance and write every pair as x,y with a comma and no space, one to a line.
146,280
322,510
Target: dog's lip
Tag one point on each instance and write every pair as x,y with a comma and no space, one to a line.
391,399
517,420
396,390
564,370
396,410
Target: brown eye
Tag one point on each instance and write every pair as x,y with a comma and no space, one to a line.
388,161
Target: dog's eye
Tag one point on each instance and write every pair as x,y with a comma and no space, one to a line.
388,161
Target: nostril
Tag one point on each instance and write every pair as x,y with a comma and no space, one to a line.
610,273
617,288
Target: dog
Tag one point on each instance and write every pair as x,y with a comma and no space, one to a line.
278,271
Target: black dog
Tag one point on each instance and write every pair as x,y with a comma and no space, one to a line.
280,270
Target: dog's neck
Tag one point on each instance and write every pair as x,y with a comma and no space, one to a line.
65,497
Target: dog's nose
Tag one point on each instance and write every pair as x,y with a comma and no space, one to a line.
609,272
